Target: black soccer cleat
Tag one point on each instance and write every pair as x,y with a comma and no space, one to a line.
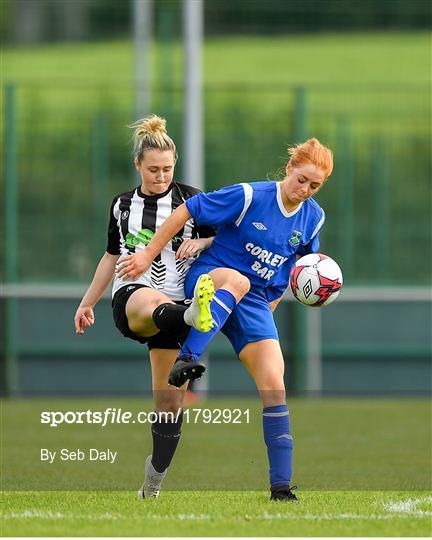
283,493
185,369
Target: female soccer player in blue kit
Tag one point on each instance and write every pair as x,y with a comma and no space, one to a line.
262,228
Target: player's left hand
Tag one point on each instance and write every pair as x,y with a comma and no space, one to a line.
189,248
133,266
84,317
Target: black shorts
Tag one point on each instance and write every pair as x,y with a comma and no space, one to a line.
161,340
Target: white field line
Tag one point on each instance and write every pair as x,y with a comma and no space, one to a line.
46,514
409,507
265,516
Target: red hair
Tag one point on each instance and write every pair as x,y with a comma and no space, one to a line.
312,151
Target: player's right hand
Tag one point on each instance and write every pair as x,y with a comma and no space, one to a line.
84,317
133,266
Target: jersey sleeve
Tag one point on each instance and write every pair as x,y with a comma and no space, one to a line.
314,243
218,207
206,231
113,244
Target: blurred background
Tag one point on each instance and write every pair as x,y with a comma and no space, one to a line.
269,74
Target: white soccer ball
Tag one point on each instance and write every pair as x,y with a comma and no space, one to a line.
316,280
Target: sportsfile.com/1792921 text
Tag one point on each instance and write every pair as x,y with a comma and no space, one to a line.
112,415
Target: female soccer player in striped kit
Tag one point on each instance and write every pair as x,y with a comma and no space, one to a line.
262,228
151,309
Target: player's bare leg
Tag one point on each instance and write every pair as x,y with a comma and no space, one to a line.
140,308
149,311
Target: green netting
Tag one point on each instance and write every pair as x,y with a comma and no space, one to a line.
74,155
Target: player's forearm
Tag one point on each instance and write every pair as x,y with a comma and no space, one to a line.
101,279
168,230
206,242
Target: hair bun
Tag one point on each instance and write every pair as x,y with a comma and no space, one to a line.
149,134
151,125
312,151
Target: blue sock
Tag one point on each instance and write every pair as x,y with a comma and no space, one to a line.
279,443
221,307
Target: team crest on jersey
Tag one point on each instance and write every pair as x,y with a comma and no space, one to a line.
125,215
144,237
259,226
295,238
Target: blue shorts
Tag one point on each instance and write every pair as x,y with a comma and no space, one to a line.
250,321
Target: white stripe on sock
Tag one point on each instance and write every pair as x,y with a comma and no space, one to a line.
224,306
285,436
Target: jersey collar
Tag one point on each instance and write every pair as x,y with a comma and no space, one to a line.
281,204
154,197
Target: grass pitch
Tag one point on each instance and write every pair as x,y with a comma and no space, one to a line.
339,445
362,465
216,514
77,76
352,57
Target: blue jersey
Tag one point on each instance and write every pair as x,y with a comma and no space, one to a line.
256,235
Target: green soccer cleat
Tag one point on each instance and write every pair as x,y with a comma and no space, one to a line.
198,314
152,481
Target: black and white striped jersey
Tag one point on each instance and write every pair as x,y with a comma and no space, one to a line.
134,218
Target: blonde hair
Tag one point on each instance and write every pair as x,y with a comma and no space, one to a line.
150,134
312,151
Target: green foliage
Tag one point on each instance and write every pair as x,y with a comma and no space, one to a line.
367,98
254,16
104,19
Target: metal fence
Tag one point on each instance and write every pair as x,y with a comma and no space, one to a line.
67,152
371,341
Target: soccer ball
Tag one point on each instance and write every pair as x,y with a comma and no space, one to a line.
316,280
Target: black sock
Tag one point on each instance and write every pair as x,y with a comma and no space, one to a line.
166,436
169,317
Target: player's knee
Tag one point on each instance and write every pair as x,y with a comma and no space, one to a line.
240,284
272,388
141,313
154,304
168,402
169,409
271,397
244,285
